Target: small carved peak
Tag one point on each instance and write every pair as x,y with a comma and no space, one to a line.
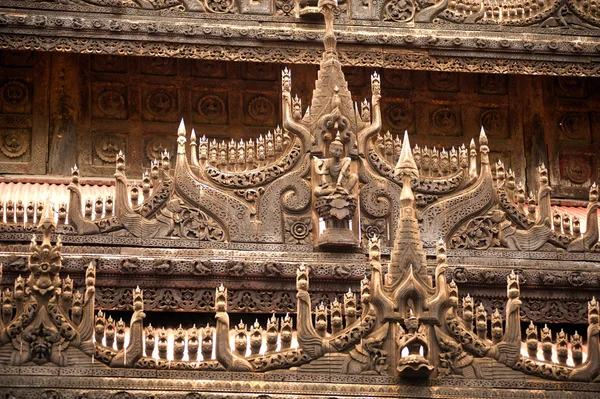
406,163
181,129
594,192
483,140
75,174
192,136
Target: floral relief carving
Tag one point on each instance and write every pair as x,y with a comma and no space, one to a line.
445,120
14,142
399,10
156,146
111,103
494,123
160,103
575,126
577,169
15,93
211,107
261,109
399,116
298,229
107,147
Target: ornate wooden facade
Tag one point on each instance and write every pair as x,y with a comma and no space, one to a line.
458,266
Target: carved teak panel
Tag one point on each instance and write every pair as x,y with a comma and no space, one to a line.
373,267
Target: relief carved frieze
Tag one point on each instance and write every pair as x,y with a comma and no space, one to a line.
253,215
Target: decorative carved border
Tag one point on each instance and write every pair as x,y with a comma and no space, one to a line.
132,383
428,48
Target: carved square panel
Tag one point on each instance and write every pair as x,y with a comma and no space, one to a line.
158,66
15,145
443,120
15,96
106,146
155,144
492,84
398,116
397,79
495,122
577,168
355,76
160,104
259,71
109,63
17,58
209,69
109,102
443,81
261,109
210,107
570,87
574,126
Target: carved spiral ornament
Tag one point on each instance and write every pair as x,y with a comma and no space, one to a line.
577,170
210,107
111,102
13,145
107,148
15,93
261,108
160,103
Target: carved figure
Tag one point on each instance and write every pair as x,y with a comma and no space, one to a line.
414,363
336,176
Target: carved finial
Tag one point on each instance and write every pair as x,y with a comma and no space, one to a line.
192,136
593,311
374,249
120,161
221,299
512,281
594,192
75,174
375,84
302,277
441,251
286,80
542,174
406,163
365,290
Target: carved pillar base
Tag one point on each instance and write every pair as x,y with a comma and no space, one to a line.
337,211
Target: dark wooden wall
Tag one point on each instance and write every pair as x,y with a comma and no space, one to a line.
60,109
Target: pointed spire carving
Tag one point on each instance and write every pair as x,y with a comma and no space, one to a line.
408,248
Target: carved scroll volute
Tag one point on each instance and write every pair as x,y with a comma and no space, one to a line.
292,112
590,237
374,125
128,356
224,355
308,338
590,369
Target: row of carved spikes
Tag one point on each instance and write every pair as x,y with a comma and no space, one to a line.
17,212
106,330
69,300
188,340
480,317
335,314
243,155
275,337
431,162
512,9
562,345
561,222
